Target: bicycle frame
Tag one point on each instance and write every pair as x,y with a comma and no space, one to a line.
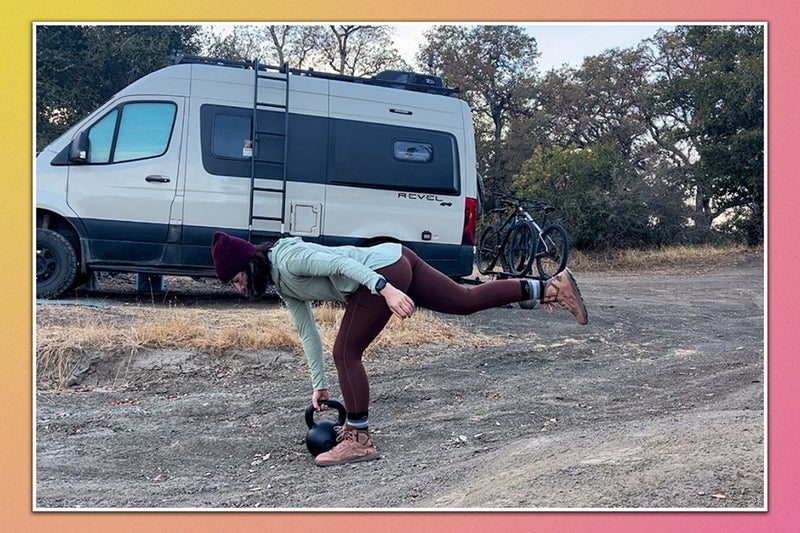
546,209
517,250
507,229
520,212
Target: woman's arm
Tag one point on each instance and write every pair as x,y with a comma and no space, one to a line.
307,261
309,336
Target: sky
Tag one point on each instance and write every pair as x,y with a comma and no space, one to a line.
559,44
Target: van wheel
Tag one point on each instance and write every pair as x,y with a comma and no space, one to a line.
56,264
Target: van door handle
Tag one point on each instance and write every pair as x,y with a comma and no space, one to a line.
157,179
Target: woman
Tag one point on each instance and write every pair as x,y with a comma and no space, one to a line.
375,282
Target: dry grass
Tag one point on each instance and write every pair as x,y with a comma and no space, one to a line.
677,258
65,333
673,257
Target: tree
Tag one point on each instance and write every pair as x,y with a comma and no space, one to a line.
599,102
493,66
272,44
293,44
358,50
683,114
80,67
354,50
730,95
593,156
60,92
707,109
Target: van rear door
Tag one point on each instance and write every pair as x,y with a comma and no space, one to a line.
124,190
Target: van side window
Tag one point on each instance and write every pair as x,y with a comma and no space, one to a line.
384,156
417,152
331,151
133,131
101,136
229,133
225,132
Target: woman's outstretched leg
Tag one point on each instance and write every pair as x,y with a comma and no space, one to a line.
433,290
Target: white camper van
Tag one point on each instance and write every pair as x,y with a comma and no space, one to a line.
141,184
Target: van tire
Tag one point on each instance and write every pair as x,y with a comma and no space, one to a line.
56,264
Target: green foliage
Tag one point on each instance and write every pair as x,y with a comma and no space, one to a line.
708,94
598,103
80,67
730,93
622,142
603,201
61,93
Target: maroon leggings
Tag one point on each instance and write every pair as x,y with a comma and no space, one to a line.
367,314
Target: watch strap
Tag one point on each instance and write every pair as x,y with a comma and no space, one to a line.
380,285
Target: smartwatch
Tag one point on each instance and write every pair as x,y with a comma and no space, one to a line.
380,285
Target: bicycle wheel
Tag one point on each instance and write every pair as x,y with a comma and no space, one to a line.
552,251
487,250
520,257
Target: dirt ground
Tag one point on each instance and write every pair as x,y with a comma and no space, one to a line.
658,403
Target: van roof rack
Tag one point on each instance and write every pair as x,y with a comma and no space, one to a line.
410,81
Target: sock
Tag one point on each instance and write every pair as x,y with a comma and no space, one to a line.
532,289
358,420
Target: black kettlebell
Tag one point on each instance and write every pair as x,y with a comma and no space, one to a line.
321,435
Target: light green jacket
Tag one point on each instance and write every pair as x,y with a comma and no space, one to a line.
305,272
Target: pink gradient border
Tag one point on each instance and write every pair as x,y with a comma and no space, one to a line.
783,255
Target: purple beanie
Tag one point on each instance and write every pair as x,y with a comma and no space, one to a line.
231,255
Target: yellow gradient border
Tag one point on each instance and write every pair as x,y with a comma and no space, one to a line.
783,18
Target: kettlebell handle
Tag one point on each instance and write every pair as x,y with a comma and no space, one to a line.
330,403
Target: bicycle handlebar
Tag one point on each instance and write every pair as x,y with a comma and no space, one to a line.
513,201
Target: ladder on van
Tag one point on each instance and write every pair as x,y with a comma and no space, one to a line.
259,131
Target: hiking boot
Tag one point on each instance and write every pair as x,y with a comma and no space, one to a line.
562,289
354,445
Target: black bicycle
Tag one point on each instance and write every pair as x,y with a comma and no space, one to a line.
515,244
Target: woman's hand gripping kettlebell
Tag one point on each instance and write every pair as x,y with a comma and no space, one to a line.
319,396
